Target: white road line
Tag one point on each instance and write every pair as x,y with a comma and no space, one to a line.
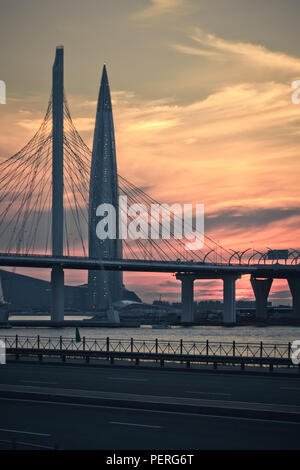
135,424
290,388
208,393
129,378
180,413
38,382
26,432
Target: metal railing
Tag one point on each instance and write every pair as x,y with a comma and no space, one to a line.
155,346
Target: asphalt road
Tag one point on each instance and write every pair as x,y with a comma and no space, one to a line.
259,389
94,427
82,426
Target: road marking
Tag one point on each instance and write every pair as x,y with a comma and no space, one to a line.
135,424
38,382
208,393
26,432
129,378
180,413
290,388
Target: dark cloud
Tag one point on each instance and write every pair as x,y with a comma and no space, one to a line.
281,294
199,284
170,284
241,217
212,283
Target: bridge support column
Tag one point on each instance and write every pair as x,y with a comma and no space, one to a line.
261,289
229,309
57,284
187,298
57,274
294,285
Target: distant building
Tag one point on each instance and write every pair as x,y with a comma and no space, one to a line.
128,309
28,294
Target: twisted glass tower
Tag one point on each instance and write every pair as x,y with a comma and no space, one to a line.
105,287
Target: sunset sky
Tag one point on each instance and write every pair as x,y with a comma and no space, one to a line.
202,107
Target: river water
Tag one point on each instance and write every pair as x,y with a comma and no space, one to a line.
270,334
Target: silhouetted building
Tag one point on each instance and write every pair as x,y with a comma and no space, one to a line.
104,287
28,294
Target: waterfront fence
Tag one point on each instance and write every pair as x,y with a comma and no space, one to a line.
155,346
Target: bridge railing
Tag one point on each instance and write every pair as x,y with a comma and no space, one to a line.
155,346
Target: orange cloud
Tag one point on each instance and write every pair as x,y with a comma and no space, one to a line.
254,54
234,147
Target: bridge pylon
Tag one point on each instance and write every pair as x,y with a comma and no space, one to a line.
294,285
187,294
187,297
229,304
261,289
57,274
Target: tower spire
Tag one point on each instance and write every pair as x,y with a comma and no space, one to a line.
104,286
104,101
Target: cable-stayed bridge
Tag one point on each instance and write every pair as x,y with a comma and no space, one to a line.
26,203
45,218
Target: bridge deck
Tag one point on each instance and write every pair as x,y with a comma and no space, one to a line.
206,269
